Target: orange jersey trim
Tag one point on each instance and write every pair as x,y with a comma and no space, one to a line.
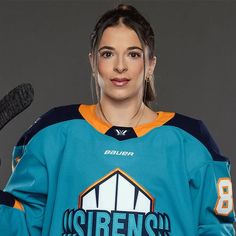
161,119
18,205
89,114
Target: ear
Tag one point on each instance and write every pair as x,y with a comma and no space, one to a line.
152,65
91,60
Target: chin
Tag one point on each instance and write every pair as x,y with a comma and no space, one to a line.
117,96
120,97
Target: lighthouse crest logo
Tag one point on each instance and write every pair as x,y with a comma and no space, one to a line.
115,205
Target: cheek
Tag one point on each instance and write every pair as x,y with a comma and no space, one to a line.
104,68
103,73
137,69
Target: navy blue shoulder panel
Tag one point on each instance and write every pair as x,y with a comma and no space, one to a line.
197,129
6,199
53,116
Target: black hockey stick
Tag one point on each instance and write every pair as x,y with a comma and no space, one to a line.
16,101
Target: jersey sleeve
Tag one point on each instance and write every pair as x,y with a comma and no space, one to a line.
211,189
23,200
24,197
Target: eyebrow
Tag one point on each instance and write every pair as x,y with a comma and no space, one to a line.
111,48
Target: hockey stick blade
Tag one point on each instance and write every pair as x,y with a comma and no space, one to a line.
16,101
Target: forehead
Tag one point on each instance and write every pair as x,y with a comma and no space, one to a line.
119,36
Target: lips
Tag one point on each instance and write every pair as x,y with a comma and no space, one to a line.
120,81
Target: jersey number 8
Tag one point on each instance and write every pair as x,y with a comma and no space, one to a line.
224,204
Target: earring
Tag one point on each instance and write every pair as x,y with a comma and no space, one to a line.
93,74
148,78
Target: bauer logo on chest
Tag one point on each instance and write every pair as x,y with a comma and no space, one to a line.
118,153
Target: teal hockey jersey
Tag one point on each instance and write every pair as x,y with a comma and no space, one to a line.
75,175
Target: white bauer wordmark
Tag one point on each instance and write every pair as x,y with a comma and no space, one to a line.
118,153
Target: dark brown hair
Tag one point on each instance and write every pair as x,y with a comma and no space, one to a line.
129,16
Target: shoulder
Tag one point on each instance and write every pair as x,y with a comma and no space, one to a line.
54,116
198,130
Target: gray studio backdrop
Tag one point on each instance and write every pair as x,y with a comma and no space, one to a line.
46,43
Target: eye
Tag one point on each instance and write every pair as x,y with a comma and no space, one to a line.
135,54
106,54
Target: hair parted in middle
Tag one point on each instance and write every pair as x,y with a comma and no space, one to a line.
130,17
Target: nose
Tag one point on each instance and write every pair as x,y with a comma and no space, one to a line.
120,65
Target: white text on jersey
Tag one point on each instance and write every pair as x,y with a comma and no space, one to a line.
119,153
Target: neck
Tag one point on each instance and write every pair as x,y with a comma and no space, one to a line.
125,113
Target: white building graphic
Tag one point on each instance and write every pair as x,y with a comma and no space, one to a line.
116,192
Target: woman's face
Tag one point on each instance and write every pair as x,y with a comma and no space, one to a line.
120,64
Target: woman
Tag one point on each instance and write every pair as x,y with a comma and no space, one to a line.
117,167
